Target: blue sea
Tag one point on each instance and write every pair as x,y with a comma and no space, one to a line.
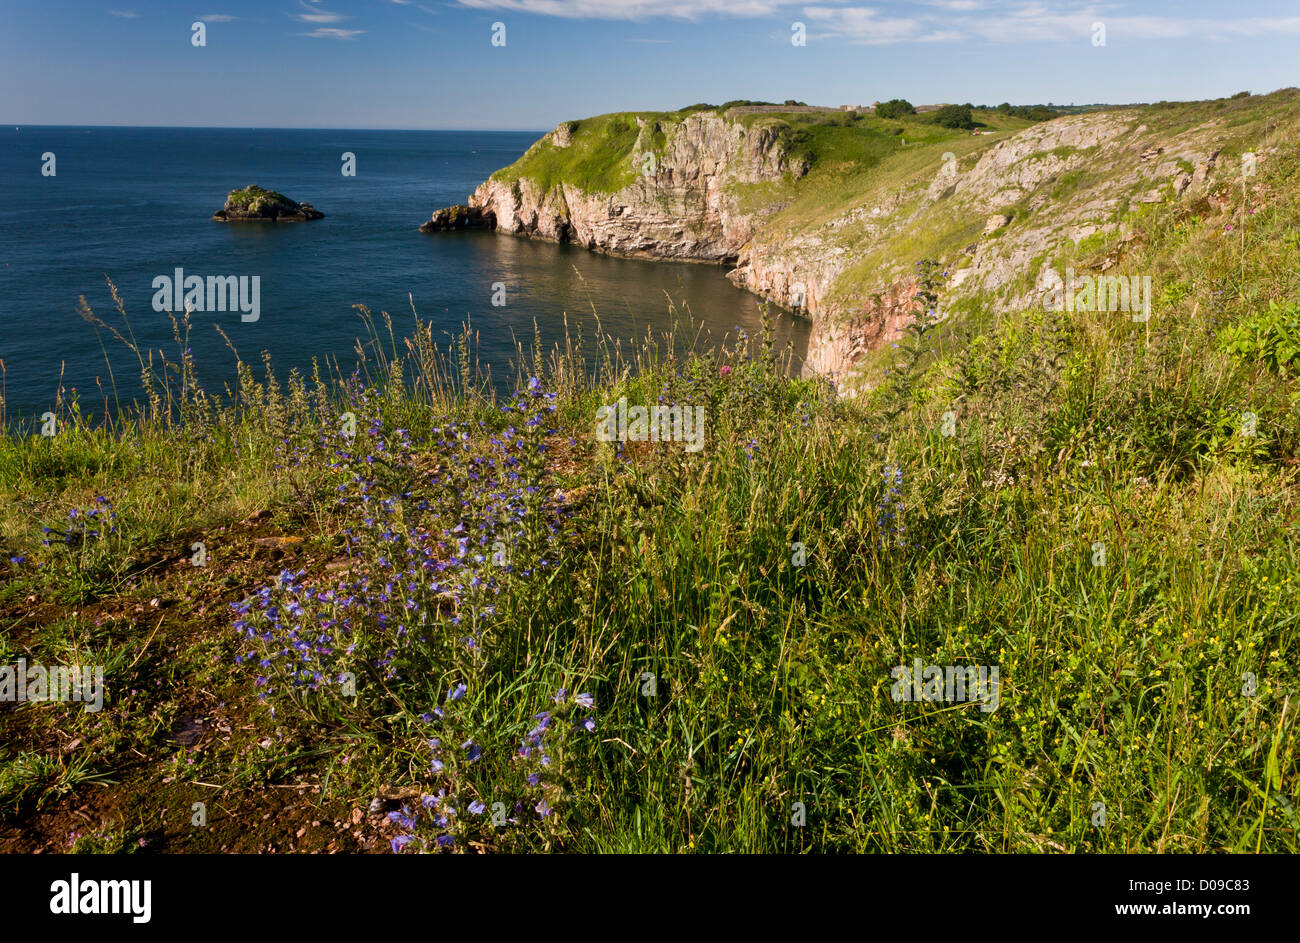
132,204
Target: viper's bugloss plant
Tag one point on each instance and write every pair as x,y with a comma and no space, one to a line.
495,796
435,530
82,525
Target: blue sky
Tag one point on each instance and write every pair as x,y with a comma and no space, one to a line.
431,63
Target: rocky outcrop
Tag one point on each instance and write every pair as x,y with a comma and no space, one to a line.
838,345
680,202
459,217
253,204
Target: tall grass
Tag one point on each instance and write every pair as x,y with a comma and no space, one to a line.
1097,526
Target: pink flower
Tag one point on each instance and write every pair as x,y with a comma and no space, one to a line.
725,370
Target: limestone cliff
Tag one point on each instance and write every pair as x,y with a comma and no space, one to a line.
827,217
677,202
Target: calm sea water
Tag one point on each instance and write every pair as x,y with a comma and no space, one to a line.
135,203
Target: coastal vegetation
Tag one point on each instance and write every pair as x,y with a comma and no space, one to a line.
895,108
594,154
390,609
955,116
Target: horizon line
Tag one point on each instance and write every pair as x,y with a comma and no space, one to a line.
232,127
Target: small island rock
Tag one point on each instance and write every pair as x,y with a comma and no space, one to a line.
460,217
253,204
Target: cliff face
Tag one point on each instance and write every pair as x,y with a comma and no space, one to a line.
834,233
997,217
678,204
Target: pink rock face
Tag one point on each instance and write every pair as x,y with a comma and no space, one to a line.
840,344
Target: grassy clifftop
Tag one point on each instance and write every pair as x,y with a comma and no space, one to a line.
1103,180
598,157
598,154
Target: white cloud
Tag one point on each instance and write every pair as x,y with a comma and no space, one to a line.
940,36
632,9
217,18
932,21
867,26
324,16
328,33
124,14
1021,21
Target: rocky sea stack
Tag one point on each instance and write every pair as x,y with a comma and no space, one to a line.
253,204
460,217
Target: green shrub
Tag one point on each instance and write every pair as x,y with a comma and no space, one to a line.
895,108
955,116
1270,337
